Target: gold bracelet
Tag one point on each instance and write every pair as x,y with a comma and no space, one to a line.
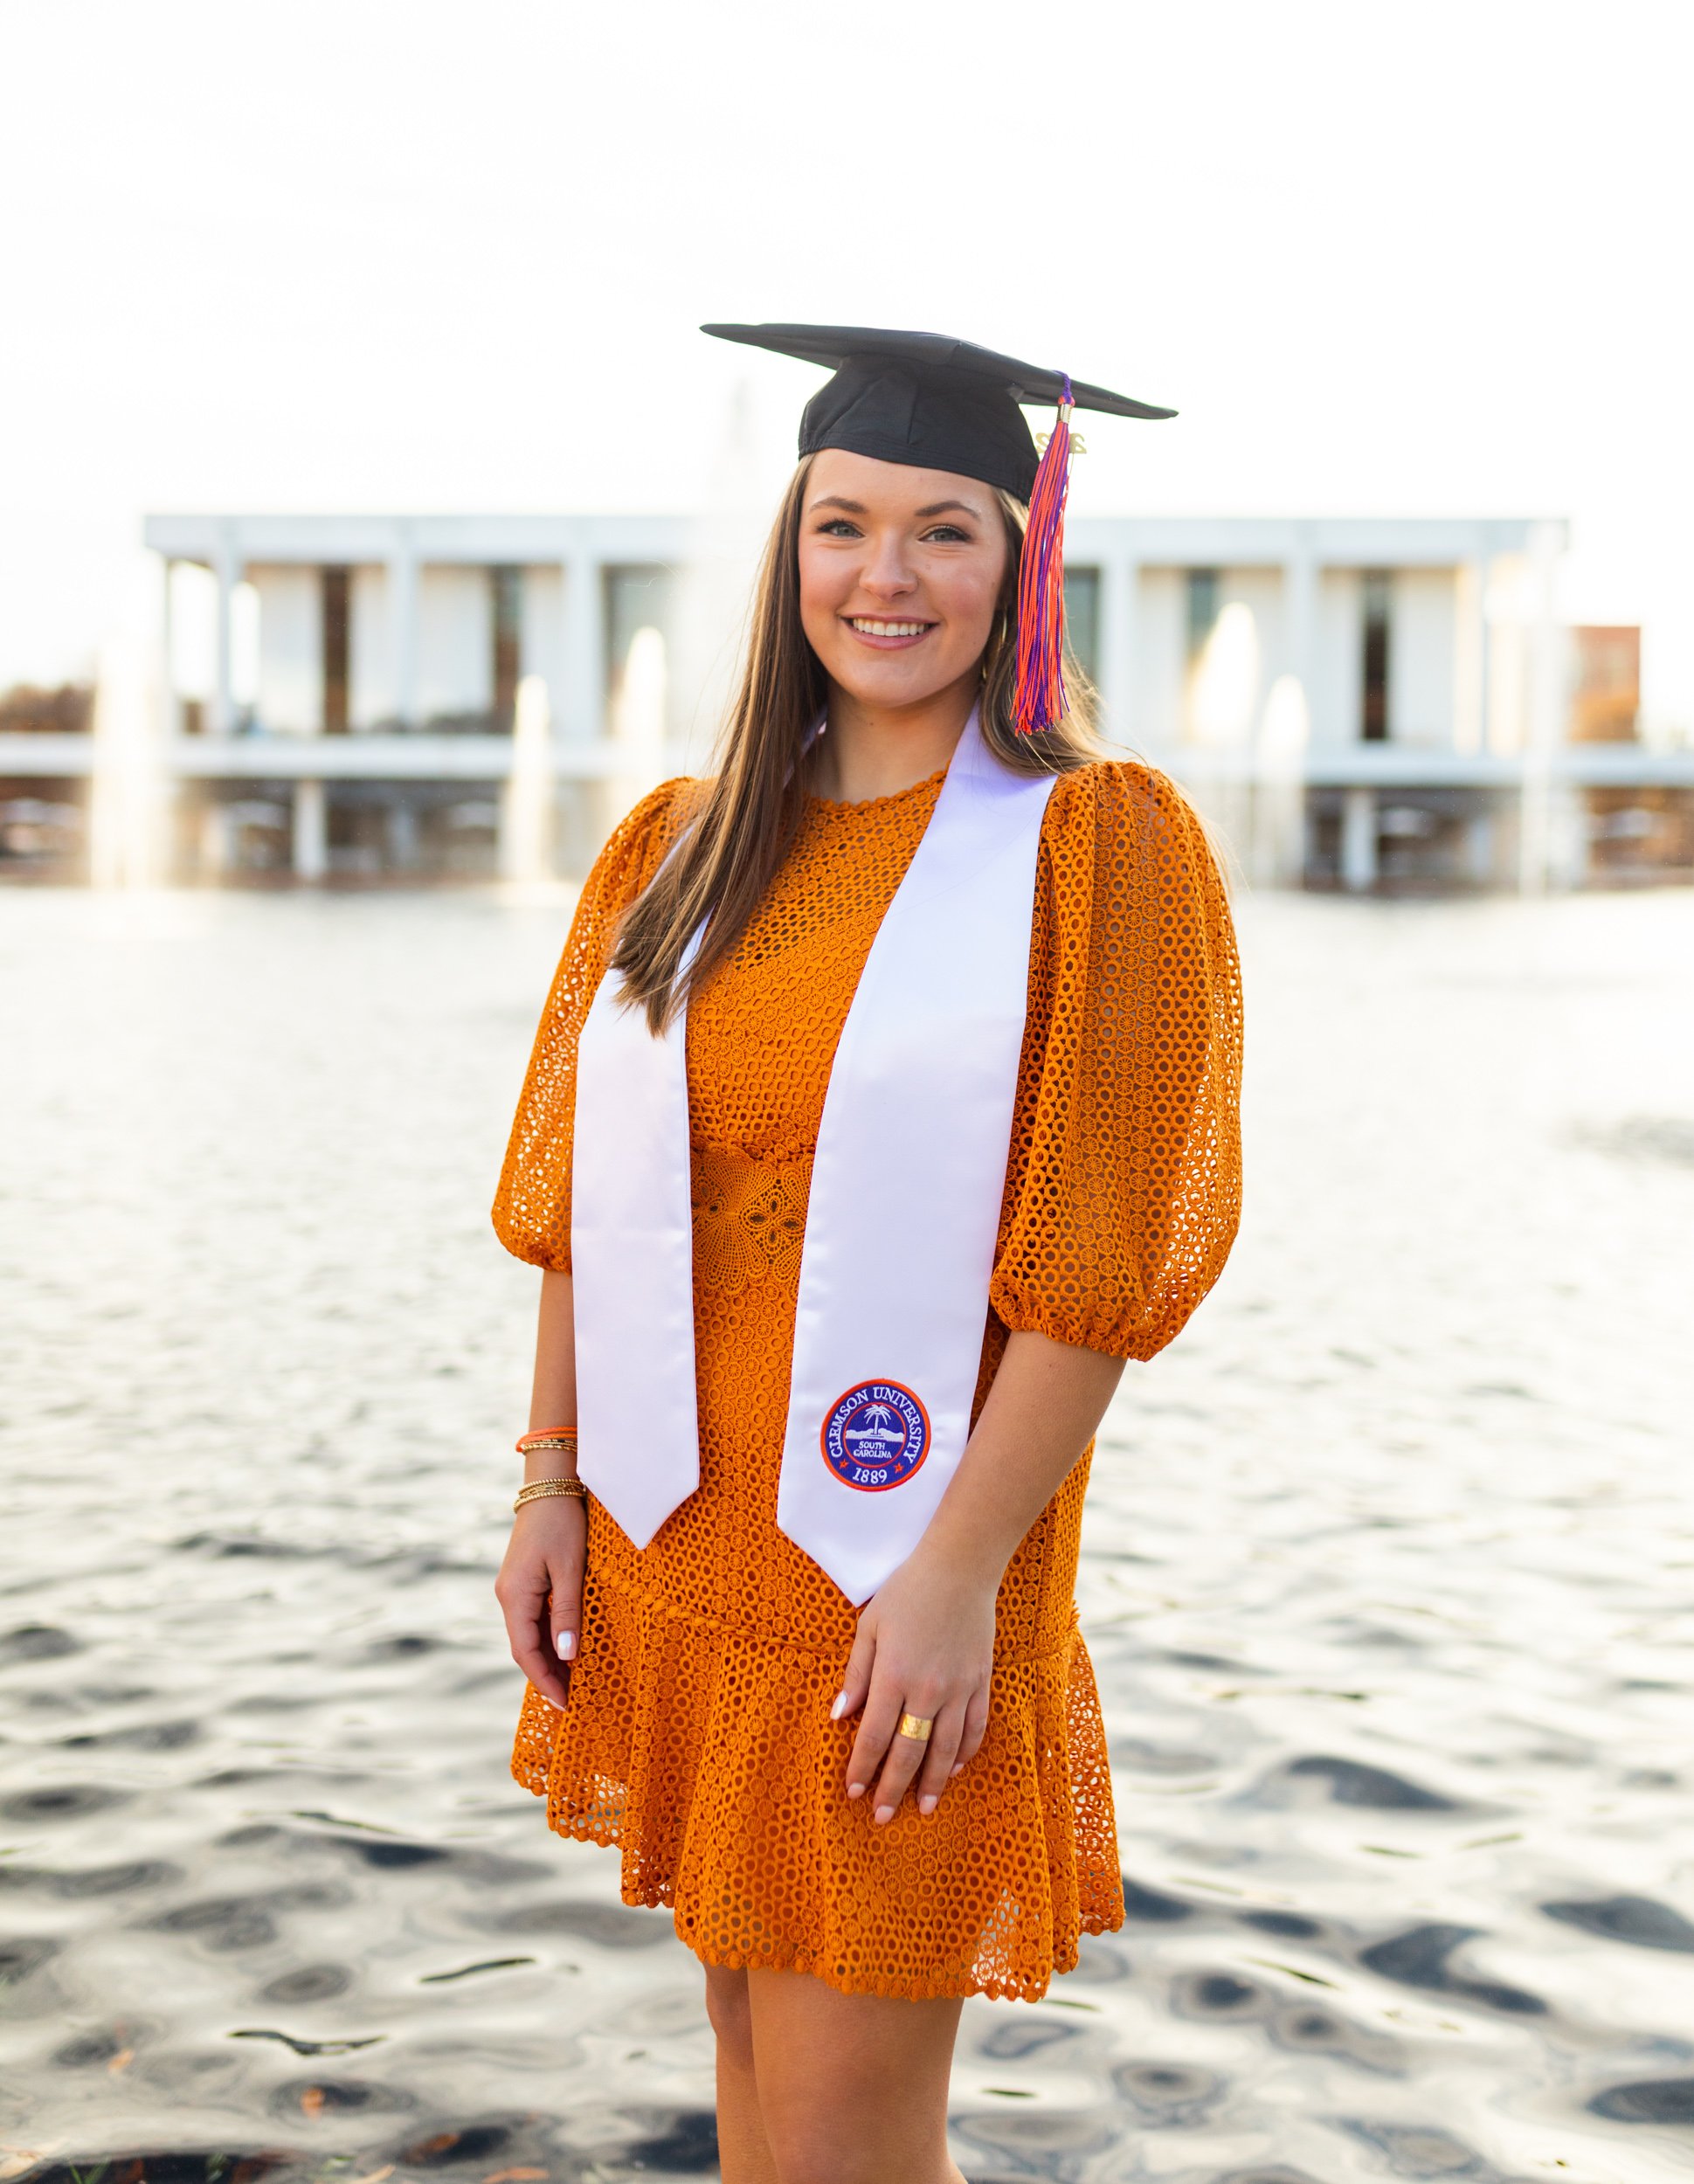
562,1439
544,1490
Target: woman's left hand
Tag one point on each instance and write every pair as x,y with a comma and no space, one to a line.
925,1646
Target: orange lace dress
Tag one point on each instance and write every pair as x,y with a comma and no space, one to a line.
697,1738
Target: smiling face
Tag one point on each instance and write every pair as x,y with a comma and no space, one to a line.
900,572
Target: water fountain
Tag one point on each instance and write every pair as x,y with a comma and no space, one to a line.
1277,846
527,807
637,727
129,804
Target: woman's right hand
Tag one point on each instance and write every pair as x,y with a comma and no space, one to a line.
545,1555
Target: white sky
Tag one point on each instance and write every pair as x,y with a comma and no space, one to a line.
337,254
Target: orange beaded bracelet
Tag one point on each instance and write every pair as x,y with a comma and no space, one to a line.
547,1437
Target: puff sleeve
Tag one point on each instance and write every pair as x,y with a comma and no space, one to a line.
532,1205
1123,1186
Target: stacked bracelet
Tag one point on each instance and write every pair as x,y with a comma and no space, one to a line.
561,1438
545,1489
547,1437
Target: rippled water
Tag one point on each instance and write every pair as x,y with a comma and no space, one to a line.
1390,1581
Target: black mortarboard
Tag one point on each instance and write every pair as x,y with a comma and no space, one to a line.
940,405
927,400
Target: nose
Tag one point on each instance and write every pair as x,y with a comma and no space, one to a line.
887,573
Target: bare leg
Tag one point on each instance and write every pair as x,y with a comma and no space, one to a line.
743,2151
852,2088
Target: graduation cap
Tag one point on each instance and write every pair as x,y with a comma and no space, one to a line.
936,404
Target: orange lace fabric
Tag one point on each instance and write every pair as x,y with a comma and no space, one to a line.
698,1738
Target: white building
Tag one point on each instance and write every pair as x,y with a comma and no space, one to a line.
1354,703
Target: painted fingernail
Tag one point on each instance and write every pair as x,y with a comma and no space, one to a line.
838,1709
884,1814
960,1769
927,1804
567,1645
855,1789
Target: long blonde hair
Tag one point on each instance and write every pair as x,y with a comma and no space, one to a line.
745,814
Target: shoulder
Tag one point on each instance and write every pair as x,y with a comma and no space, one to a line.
659,815
1124,812
637,845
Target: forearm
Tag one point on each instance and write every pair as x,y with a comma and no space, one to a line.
540,1585
553,1395
1041,1411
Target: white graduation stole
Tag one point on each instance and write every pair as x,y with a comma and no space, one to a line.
902,1219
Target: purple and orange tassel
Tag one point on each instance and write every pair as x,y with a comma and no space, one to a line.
1038,699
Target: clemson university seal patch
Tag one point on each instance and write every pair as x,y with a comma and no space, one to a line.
876,1437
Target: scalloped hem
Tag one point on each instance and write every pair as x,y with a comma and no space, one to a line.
813,1965
708,1761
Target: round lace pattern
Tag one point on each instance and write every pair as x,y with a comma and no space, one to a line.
698,1739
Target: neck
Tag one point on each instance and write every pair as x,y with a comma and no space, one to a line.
871,751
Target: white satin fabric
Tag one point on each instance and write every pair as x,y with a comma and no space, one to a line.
901,1222
631,1264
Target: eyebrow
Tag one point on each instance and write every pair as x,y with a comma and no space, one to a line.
857,507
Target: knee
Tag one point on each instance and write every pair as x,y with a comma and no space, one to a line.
731,2015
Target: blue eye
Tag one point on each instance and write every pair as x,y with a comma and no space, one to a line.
949,534
838,527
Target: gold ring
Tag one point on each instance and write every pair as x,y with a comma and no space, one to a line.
916,1727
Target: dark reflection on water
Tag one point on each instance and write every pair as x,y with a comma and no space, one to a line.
1152,1906
156,2167
1635,1918
1385,1577
1422,2150
1321,2032
1351,1784
1651,2101
1420,1959
1169,2096
1293,1925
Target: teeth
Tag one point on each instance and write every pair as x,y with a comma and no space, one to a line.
889,629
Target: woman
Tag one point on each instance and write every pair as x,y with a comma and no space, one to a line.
953,1129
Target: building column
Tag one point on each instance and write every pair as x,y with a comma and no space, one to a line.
1568,835
1479,831
311,830
403,626
226,571
582,695
169,717
216,839
1121,578
1358,839
404,848
1470,677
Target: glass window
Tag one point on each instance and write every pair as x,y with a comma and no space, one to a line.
1082,619
1204,586
337,584
638,596
1378,600
507,620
